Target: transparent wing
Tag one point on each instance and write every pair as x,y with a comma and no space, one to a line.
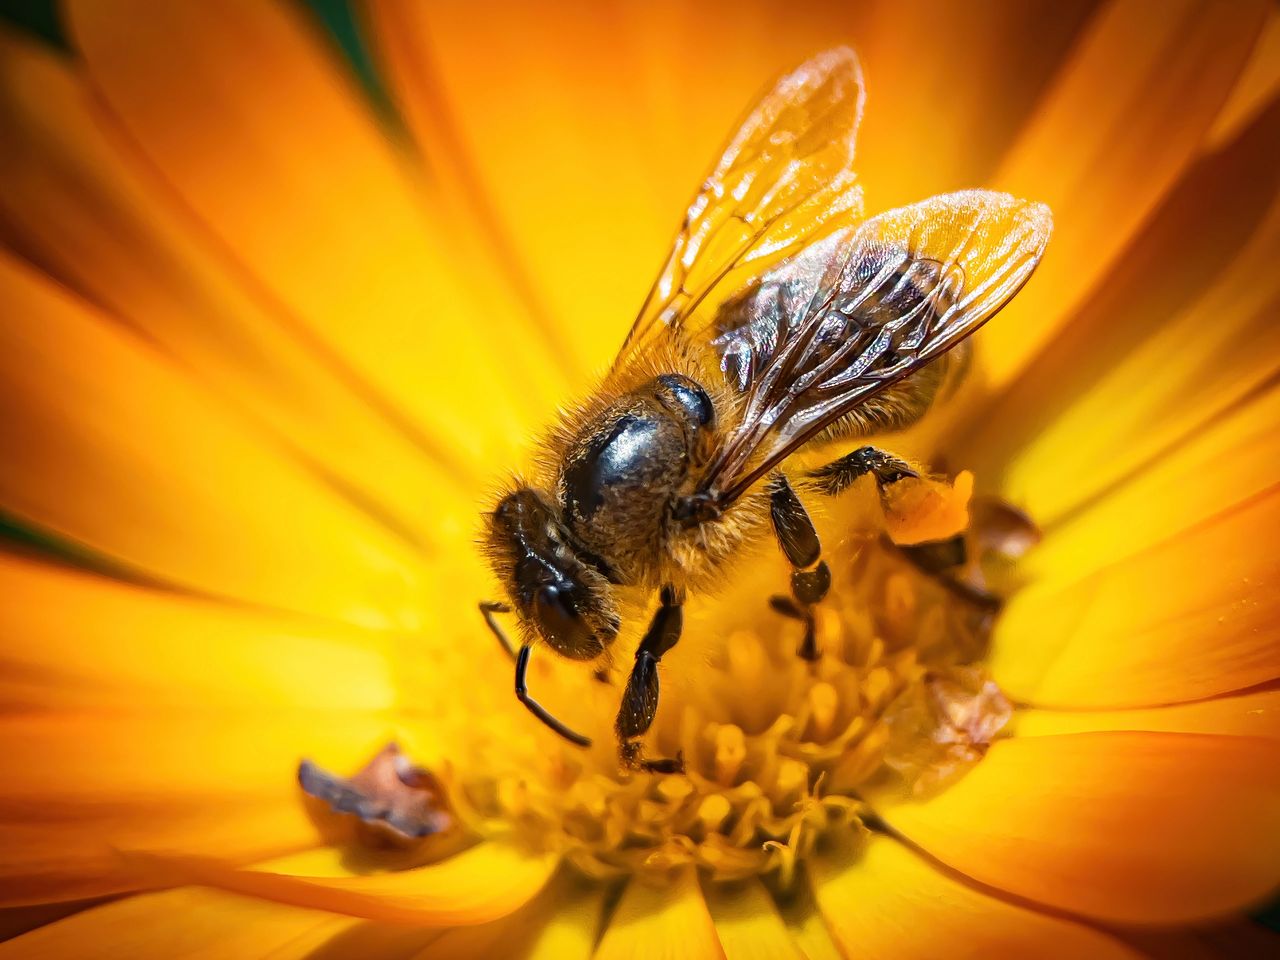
784,177
858,311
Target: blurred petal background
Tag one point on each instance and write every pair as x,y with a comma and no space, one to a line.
289,287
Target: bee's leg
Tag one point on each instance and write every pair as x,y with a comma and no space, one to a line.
945,562
935,558
839,475
537,709
810,576
640,699
487,610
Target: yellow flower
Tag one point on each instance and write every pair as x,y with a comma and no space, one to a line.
262,363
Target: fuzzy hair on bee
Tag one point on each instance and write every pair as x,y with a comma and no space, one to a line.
632,539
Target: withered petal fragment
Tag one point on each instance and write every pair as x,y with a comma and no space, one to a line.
391,794
1000,527
942,727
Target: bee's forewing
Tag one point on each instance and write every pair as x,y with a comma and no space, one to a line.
784,177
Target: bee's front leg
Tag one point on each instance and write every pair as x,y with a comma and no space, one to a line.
640,699
487,609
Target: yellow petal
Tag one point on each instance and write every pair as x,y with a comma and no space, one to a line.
80,642
481,884
80,789
747,922
571,930
888,903
561,922
668,920
583,164
97,217
1230,461
805,923
1251,714
106,444
1126,827
1189,618
242,110
190,923
1121,121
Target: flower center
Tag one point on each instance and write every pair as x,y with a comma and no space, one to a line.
779,750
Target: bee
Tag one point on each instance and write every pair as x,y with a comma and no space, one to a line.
781,320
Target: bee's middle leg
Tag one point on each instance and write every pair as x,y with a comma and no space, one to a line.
640,699
810,575
935,557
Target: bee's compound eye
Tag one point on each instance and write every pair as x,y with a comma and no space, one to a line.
676,391
561,625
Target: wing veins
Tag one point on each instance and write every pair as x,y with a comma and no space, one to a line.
941,309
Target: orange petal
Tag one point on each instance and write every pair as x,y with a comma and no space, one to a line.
1189,618
191,923
241,108
1259,83
1126,827
1150,366
85,642
481,884
668,920
1121,121
212,924
96,216
18,920
106,444
79,789
889,903
1251,714
1235,938
748,924
583,166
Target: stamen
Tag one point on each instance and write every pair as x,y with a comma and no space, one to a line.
731,750
778,749
823,702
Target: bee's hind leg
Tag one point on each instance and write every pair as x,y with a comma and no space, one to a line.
937,558
640,699
810,576
838,475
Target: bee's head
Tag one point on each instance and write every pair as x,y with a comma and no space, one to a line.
565,600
